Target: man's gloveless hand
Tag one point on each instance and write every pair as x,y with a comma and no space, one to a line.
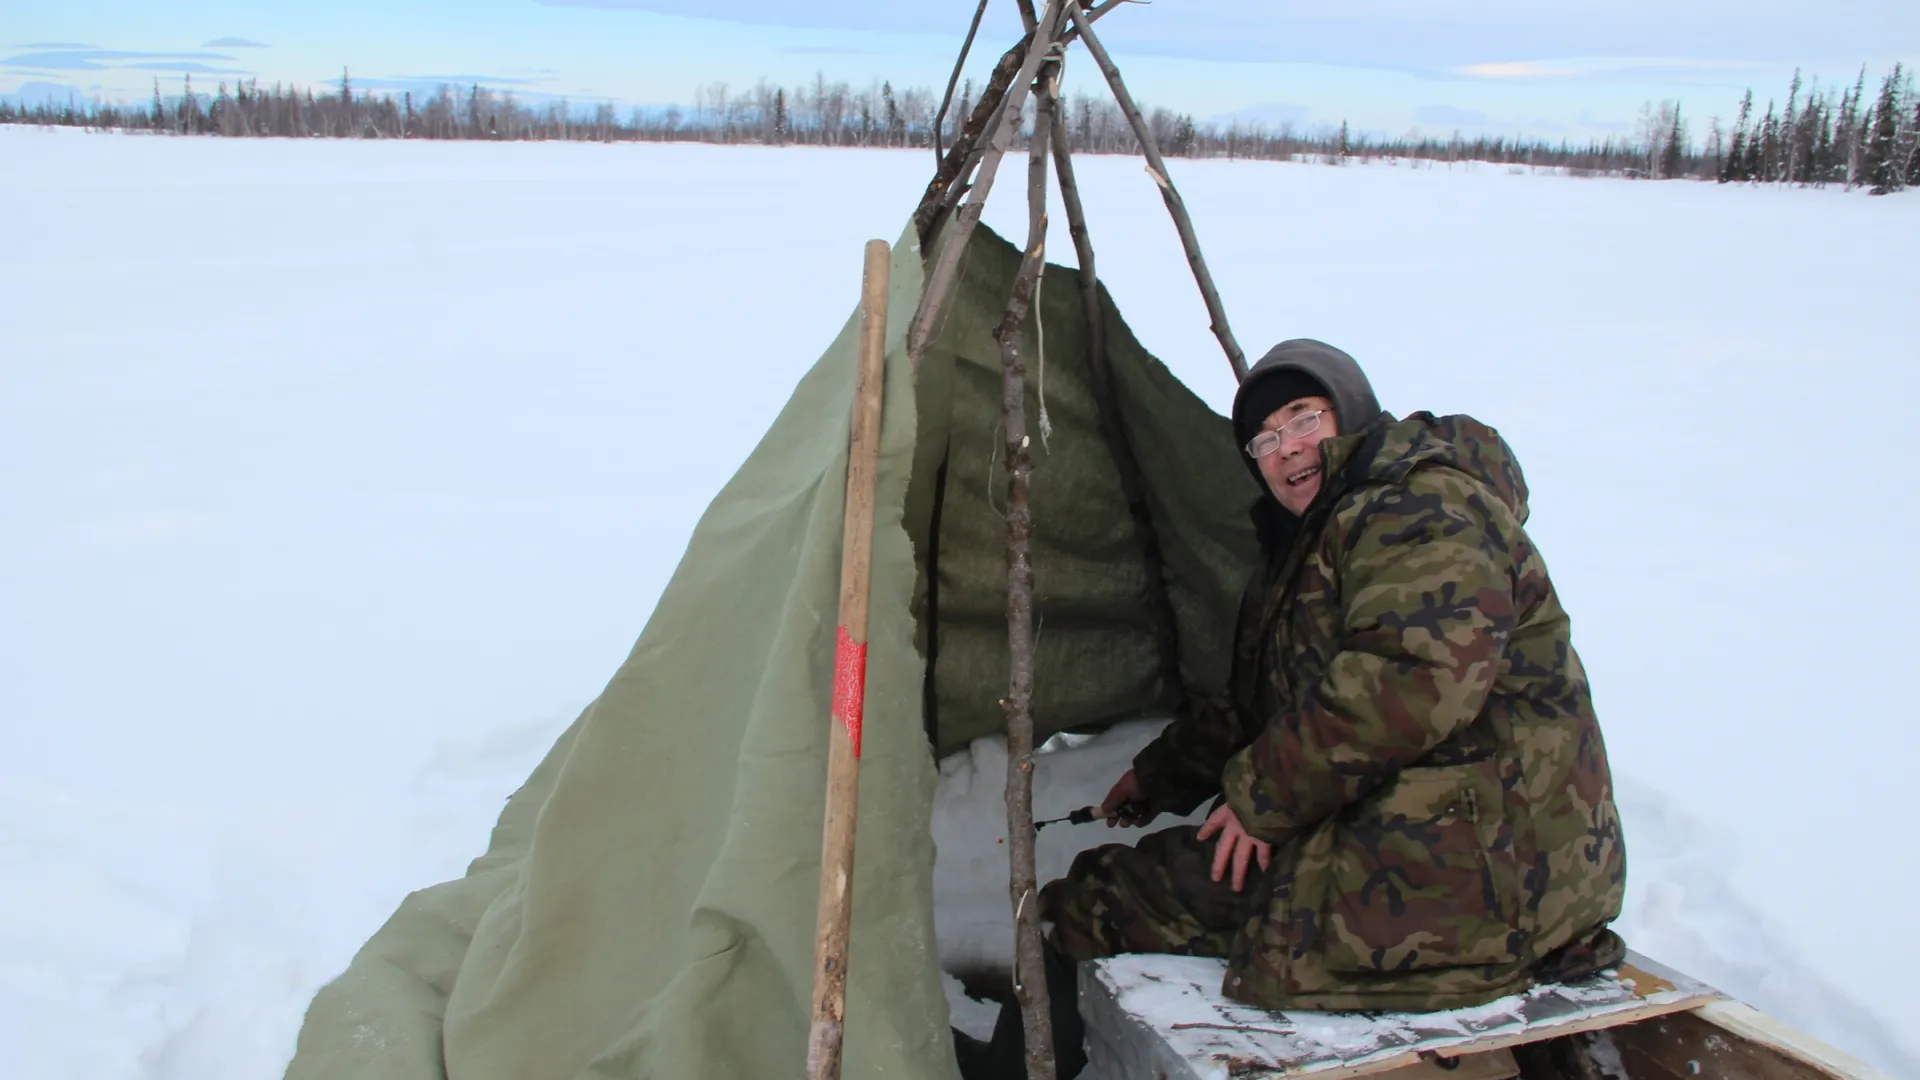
1235,848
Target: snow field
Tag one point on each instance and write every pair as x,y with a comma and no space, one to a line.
335,476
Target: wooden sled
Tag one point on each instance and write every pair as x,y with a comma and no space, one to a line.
1162,1018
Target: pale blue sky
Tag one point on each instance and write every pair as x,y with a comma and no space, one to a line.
1574,68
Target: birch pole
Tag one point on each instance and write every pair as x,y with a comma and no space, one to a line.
1157,168
1029,966
940,118
828,1029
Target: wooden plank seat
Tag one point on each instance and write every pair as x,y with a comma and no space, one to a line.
1152,1017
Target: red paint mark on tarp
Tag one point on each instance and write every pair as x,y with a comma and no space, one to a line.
849,684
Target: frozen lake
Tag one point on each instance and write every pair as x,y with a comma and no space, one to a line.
334,477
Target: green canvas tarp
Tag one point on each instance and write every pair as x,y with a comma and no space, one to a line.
646,905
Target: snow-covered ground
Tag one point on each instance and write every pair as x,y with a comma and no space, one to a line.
335,476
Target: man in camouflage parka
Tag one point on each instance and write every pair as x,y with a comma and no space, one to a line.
1408,741
1415,809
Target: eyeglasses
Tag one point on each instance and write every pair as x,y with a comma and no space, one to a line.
1299,427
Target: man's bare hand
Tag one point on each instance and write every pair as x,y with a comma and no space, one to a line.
1126,804
1235,848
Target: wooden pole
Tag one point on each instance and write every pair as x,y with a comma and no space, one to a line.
849,679
940,118
1157,167
1029,966
950,179
946,262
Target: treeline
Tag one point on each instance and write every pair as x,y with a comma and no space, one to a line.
1831,136
1835,135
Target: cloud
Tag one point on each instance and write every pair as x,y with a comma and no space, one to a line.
880,16
1274,114
1587,120
469,80
421,84
55,61
1516,69
1448,116
110,59
1453,118
1580,67
192,67
43,93
1400,35
235,43
160,525
830,50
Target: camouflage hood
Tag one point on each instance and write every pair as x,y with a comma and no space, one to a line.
1336,372
1391,450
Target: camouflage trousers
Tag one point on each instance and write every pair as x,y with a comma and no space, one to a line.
1156,896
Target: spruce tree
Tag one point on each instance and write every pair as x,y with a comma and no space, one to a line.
1773,166
1821,165
1854,129
1736,164
159,107
1806,137
896,124
1765,152
1789,125
1672,154
1882,168
1913,159
346,104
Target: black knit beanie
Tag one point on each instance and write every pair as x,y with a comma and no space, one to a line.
1272,392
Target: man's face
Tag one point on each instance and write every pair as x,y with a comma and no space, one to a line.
1292,469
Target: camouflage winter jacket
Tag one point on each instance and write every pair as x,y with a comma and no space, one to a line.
1410,727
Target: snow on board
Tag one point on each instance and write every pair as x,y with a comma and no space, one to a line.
1151,1016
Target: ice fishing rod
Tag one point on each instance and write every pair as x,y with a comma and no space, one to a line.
1132,808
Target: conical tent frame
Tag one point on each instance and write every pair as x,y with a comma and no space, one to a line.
969,167
646,903
945,223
